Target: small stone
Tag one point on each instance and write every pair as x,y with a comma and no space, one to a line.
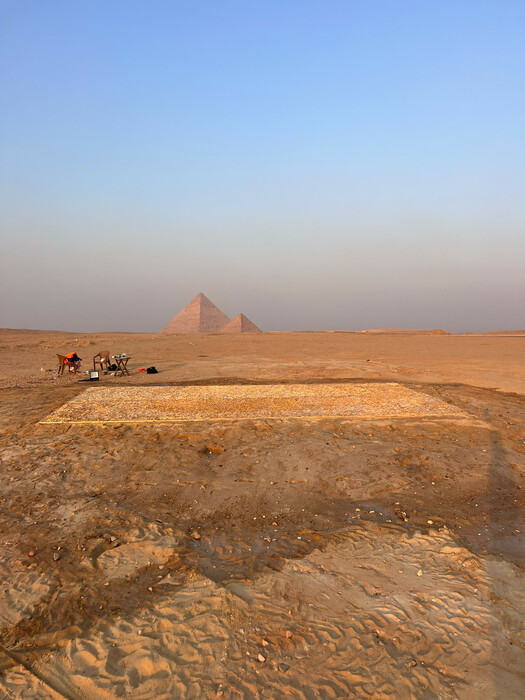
283,667
195,535
56,556
420,573
401,514
412,663
288,634
261,658
264,643
213,448
31,554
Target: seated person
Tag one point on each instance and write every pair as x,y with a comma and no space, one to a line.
73,360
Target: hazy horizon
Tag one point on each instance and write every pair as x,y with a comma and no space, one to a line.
314,166
156,331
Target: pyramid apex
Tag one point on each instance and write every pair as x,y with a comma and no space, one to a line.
199,297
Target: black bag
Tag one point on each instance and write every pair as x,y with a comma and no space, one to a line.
152,370
112,368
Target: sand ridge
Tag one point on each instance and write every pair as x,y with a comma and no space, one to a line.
427,606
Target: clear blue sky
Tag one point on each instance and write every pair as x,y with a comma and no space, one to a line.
313,164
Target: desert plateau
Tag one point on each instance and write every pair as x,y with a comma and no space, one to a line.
324,515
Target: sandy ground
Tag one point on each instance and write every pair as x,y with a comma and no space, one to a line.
485,361
331,558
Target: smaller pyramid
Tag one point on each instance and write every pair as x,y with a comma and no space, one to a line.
241,324
199,316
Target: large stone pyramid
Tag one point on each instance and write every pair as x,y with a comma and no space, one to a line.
241,324
199,316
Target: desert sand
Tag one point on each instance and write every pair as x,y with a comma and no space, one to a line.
368,556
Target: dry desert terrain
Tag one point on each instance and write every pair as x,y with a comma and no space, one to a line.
345,543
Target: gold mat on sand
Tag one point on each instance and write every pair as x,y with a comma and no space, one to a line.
166,404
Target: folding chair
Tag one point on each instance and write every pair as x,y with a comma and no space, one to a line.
102,359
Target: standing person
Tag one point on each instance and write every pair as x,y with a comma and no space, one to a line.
73,360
